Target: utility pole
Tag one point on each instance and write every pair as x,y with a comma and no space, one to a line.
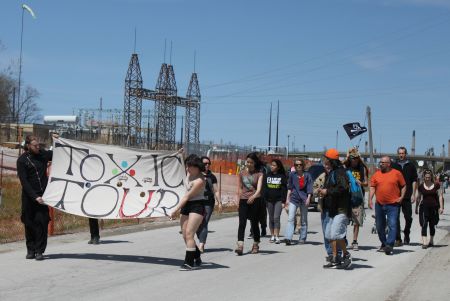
278,119
369,123
288,146
270,126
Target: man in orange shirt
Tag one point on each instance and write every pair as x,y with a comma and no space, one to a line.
389,187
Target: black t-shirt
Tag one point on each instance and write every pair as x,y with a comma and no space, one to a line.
275,187
210,180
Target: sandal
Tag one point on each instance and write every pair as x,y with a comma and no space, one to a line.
255,249
239,249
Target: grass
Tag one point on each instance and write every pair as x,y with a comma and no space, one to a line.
11,228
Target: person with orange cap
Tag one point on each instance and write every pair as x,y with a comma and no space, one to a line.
336,196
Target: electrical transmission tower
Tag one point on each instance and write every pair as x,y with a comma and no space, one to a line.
166,103
192,121
132,107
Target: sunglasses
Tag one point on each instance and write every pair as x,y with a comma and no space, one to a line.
206,163
298,164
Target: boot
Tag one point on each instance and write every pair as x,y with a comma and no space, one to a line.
240,248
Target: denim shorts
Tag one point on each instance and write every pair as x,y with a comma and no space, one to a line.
336,227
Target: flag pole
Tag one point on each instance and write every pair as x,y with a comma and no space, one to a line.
369,125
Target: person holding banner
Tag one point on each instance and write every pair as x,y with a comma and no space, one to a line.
95,232
192,210
32,172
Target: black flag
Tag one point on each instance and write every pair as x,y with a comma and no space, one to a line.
354,129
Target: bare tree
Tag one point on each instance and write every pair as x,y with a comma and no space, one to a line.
28,109
24,110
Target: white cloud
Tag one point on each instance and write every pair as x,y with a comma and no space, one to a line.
377,62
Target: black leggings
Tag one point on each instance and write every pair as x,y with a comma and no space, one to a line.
406,208
250,212
428,216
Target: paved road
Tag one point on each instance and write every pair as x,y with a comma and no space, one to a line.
145,264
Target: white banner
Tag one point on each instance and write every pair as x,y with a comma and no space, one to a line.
111,182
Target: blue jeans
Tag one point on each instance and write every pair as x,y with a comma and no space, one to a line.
389,214
291,220
325,217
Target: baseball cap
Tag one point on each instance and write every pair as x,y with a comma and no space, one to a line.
332,154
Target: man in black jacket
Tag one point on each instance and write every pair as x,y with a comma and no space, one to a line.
32,172
409,172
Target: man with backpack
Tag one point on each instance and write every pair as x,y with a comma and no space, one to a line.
336,197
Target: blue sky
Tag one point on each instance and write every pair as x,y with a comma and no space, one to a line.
325,61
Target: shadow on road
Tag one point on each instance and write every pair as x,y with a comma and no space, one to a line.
312,232
358,259
438,246
110,241
212,250
314,243
399,251
360,266
129,258
266,252
367,248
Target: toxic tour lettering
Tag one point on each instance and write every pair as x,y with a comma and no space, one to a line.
102,169
138,157
71,148
91,190
60,204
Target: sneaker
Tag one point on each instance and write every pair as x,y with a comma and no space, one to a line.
355,246
388,250
277,240
398,243
250,236
30,255
288,242
198,262
272,239
424,246
186,267
39,256
381,249
301,241
346,261
328,258
333,264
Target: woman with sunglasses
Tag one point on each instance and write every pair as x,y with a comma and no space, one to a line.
300,190
211,197
430,205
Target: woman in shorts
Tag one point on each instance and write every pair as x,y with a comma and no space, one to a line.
192,206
